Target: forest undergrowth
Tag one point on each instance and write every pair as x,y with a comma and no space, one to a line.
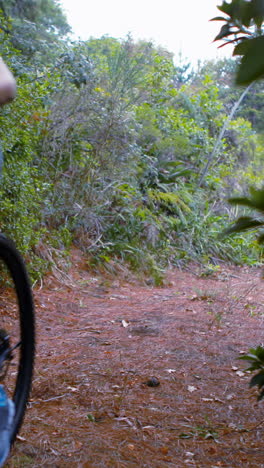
118,148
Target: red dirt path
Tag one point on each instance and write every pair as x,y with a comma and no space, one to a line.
99,343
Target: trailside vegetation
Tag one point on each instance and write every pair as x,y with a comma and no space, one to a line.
244,28
113,146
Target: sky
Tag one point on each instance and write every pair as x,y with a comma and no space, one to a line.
180,26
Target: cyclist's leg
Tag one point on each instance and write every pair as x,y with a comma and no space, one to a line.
7,412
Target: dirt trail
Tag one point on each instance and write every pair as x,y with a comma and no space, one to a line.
133,376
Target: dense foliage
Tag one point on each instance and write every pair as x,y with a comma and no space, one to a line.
244,28
112,146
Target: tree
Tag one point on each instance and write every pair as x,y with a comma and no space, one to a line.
34,27
45,13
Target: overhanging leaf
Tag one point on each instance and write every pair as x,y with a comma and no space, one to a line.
257,380
252,63
243,224
226,8
242,47
256,201
225,31
261,238
254,354
250,357
247,13
218,18
258,12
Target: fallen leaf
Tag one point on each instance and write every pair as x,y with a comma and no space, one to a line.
212,450
78,445
126,420
189,454
194,297
218,400
191,388
164,450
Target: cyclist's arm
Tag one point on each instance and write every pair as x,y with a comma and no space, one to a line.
7,84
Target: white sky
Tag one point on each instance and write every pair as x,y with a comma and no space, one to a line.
181,26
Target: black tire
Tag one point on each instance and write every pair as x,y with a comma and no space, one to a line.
17,321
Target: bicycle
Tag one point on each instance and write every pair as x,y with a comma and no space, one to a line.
17,330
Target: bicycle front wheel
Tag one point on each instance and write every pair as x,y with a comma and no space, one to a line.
17,330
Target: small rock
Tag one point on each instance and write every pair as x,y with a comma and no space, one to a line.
152,382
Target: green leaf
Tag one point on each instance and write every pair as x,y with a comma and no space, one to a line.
258,12
91,417
261,238
224,32
243,224
250,358
256,201
242,47
252,63
247,13
218,18
257,380
244,201
254,354
257,197
168,164
170,178
184,435
226,8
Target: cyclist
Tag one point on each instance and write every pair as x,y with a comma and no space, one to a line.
7,407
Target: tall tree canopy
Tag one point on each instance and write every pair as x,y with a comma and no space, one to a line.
45,13
34,26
